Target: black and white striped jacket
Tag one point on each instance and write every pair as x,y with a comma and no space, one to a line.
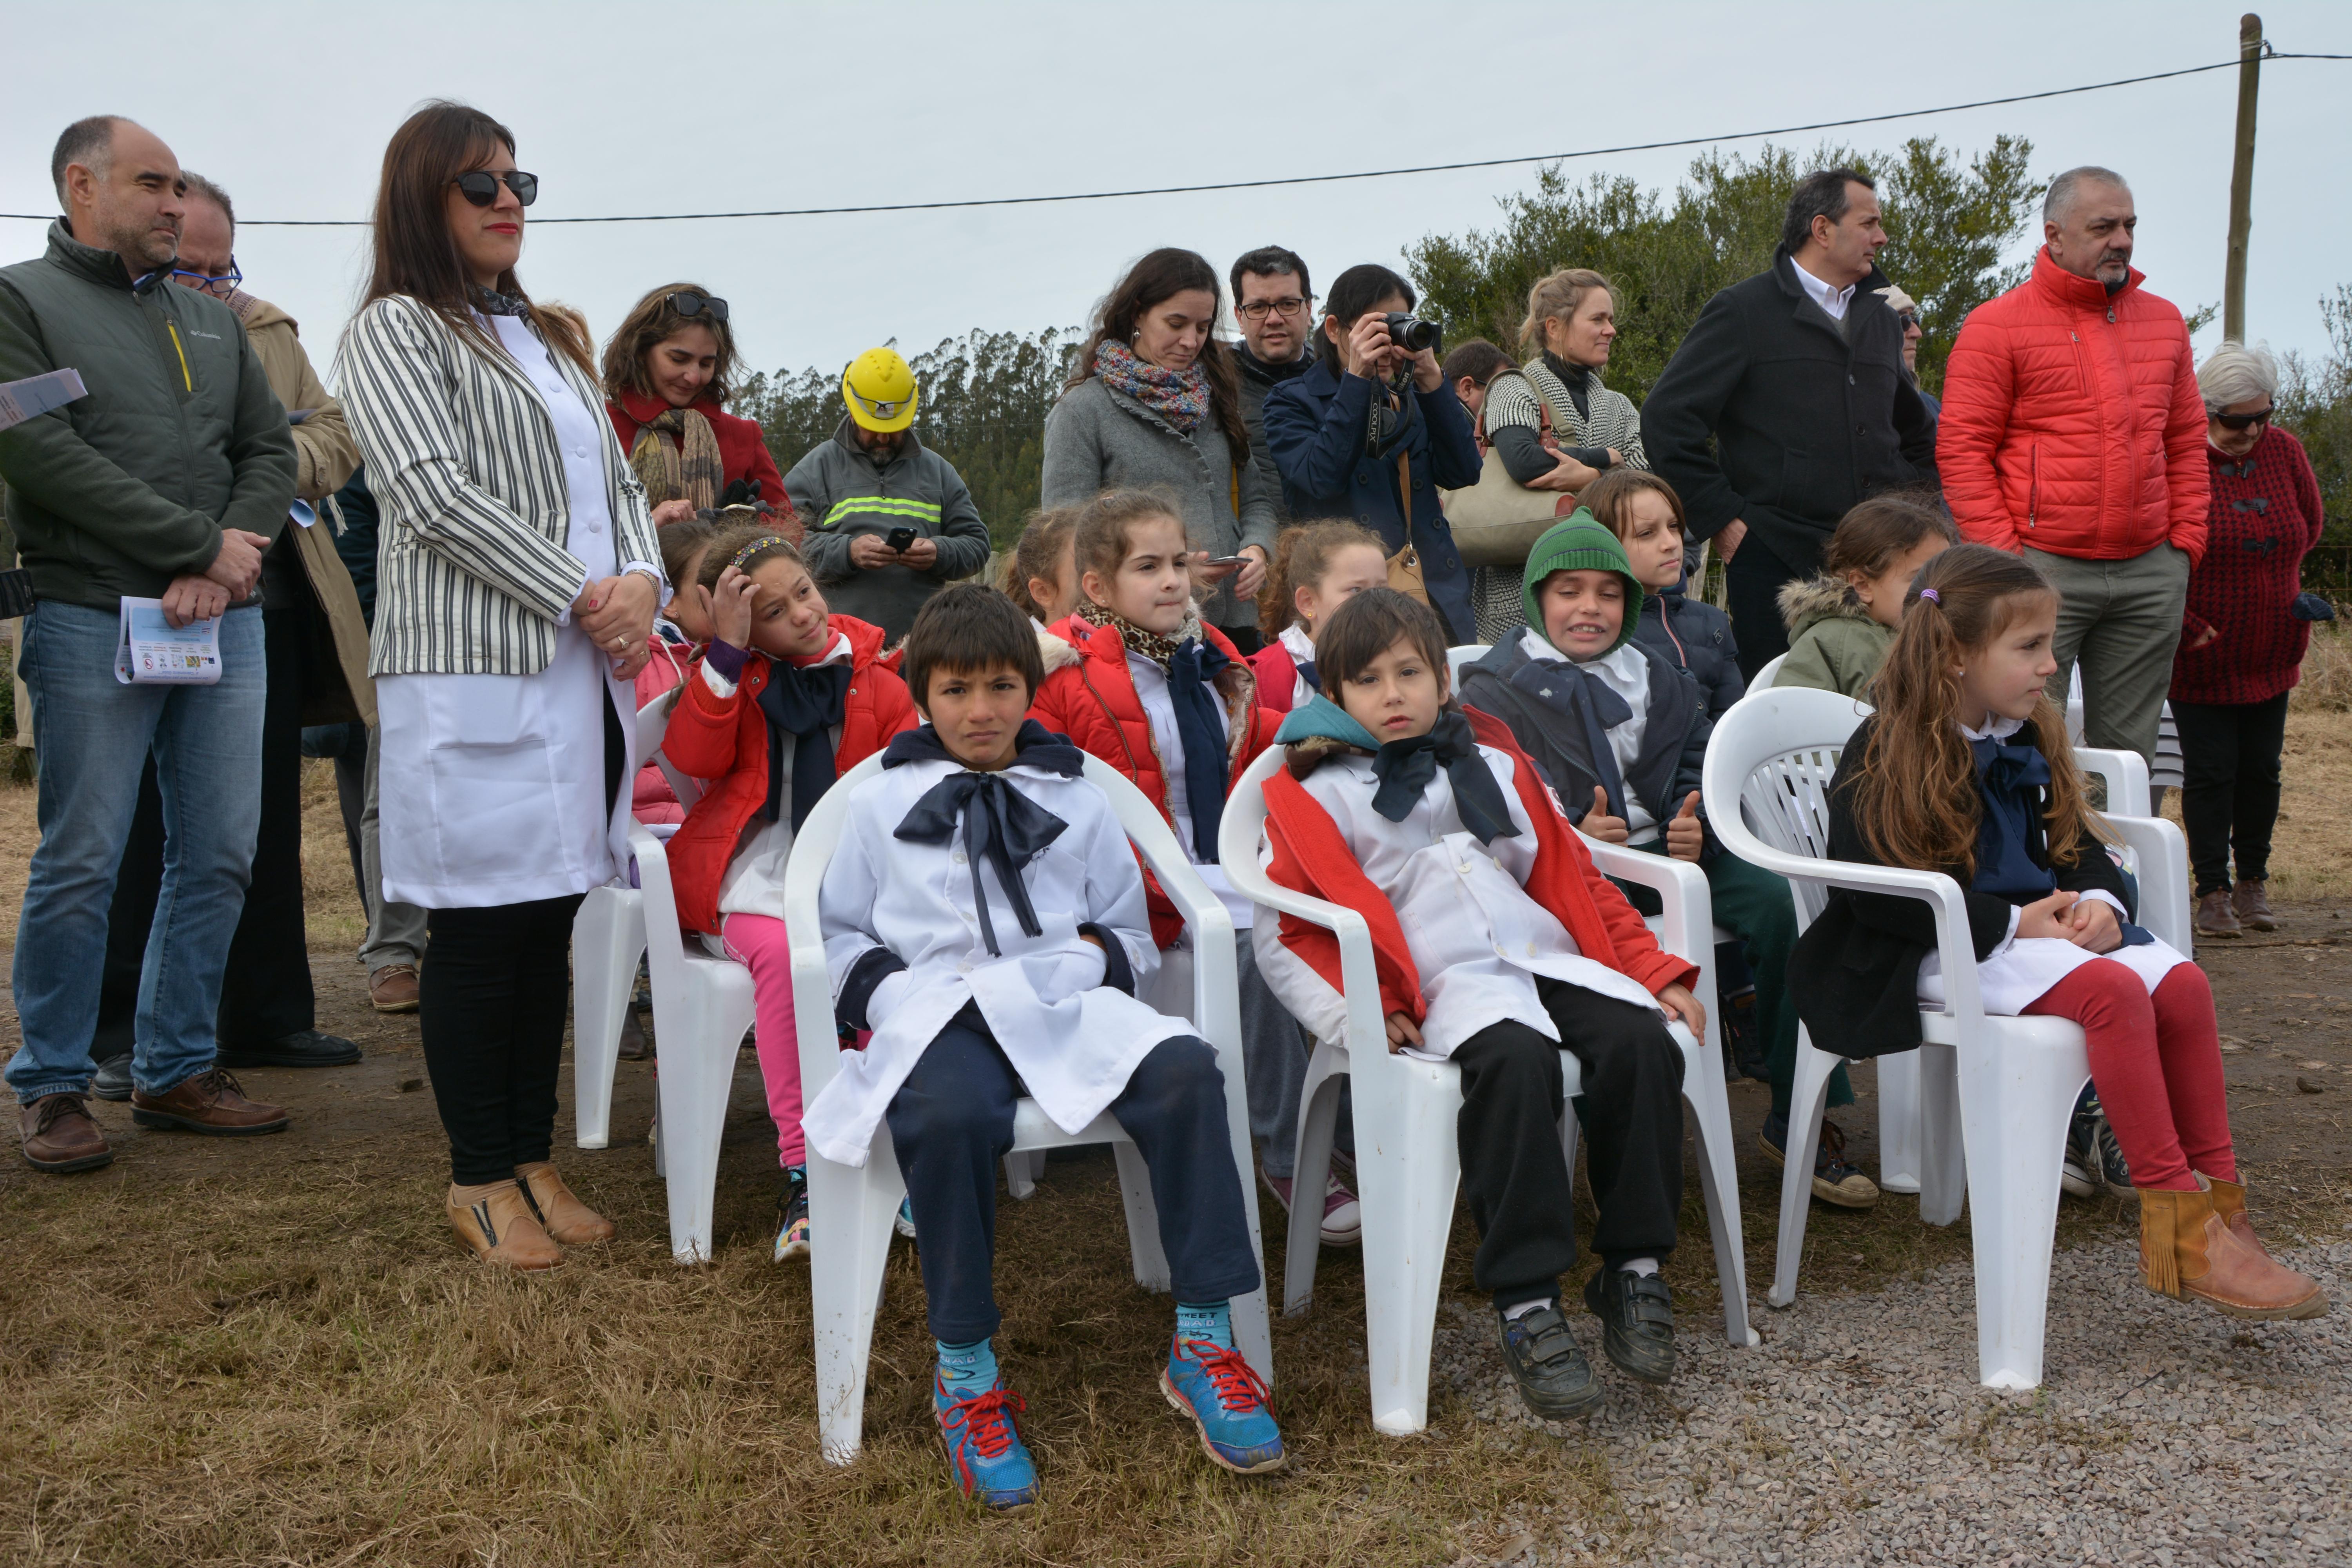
472,575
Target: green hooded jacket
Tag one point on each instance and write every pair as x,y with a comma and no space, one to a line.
120,492
1833,645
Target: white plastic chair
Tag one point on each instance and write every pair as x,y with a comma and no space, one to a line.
1408,1166
851,1208
1763,681
1995,1093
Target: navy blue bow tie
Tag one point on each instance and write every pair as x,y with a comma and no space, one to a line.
1000,826
1405,767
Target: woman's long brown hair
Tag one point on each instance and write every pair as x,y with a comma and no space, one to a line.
1159,277
652,322
414,253
1914,795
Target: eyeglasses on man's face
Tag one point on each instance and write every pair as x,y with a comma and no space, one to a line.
1258,309
217,286
480,186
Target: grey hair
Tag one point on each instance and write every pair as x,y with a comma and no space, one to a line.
2236,374
200,187
2063,189
90,143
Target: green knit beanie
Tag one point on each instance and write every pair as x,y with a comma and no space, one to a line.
1580,544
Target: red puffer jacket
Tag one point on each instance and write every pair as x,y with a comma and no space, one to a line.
1089,695
741,447
2072,422
725,741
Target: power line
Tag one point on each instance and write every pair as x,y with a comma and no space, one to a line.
2231,64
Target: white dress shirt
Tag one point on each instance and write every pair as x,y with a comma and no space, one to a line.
1833,301
1159,707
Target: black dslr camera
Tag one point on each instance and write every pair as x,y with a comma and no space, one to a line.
1409,332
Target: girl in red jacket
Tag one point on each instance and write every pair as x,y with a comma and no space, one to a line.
1316,569
1140,681
783,700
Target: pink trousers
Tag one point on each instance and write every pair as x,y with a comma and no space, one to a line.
757,942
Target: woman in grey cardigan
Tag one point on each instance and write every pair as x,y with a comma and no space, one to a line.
1154,403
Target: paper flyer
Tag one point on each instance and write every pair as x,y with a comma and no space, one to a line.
154,650
36,394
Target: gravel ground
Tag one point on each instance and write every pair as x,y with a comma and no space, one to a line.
2163,1433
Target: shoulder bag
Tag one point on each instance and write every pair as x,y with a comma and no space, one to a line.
1498,520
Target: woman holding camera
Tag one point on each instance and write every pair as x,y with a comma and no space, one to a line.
1154,403
1374,430
668,372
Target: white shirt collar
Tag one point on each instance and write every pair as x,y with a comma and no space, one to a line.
1297,644
1833,301
2000,729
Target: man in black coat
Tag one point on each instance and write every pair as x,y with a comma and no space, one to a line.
1796,375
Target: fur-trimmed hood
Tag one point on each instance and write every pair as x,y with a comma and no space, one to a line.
1820,597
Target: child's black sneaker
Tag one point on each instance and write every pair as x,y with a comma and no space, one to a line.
1553,1376
1837,1179
1743,1040
2113,1169
1637,1318
2078,1176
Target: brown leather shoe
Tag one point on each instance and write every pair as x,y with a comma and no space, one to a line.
2187,1251
211,1104
2229,1202
559,1210
60,1136
2215,917
496,1221
393,989
2251,902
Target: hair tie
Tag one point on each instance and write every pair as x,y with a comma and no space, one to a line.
756,546
1930,595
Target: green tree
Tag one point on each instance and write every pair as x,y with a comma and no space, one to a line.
2314,402
1948,221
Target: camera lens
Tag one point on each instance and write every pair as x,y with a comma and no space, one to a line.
1410,331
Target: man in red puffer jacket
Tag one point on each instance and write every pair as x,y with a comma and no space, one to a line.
2072,433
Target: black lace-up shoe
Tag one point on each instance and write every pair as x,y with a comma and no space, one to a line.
1637,1317
1554,1378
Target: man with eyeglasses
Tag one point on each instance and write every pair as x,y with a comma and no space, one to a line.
1273,305
2072,433
168,482
269,1010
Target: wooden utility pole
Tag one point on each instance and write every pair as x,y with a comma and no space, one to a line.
2241,178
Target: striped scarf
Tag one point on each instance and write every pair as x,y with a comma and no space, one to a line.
676,458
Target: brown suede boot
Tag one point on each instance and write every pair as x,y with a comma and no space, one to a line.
2229,1202
496,1221
559,1210
2215,917
2250,901
2188,1252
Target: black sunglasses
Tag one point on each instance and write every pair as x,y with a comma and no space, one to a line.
687,303
2242,421
480,186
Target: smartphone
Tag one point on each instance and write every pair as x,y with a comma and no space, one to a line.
1227,560
900,538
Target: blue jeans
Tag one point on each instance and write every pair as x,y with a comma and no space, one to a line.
95,734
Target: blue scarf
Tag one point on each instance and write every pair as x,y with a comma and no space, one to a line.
2012,775
807,705
1002,827
1403,768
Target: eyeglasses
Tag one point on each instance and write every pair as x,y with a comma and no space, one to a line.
2243,421
480,186
207,282
689,303
1909,319
1258,309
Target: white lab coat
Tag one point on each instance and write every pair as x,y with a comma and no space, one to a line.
1476,936
1074,1040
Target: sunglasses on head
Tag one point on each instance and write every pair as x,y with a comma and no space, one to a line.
2243,421
689,303
480,186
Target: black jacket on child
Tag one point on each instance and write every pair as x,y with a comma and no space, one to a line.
1512,686
1694,637
1855,972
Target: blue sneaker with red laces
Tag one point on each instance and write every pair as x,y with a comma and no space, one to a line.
1226,1401
985,1454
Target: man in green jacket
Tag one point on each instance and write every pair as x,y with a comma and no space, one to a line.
167,482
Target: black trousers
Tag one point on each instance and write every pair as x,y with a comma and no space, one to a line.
951,1122
490,1009
1513,1169
266,993
1751,581
2230,793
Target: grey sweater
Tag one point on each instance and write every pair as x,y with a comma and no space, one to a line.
841,491
1097,439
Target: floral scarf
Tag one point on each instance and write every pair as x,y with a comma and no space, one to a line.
1181,397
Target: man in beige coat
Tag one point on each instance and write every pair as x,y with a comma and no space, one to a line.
318,656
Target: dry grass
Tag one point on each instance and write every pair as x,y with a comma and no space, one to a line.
2326,685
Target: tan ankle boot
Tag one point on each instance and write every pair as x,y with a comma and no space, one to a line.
2229,1202
2187,1251
495,1219
2250,901
567,1219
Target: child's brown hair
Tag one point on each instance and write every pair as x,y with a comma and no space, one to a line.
1102,528
1914,795
1609,499
746,547
680,542
1038,553
1881,531
966,628
1302,557
1365,627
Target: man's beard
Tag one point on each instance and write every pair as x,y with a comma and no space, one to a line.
140,242
2114,285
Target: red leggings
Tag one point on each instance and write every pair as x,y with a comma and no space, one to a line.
2157,1062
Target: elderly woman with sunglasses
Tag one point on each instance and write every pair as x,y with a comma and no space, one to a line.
669,371
2242,639
515,593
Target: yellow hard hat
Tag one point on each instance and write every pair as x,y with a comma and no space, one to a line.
880,390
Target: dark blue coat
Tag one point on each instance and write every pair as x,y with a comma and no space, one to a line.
1695,638
1315,426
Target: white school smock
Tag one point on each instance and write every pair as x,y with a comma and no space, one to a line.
493,786
2020,971
1475,936
1625,672
1074,1040
1159,707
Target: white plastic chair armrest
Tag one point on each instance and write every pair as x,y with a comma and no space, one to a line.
2124,774
2163,872
1681,887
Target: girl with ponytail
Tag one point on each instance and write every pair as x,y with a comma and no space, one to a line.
1317,567
1965,769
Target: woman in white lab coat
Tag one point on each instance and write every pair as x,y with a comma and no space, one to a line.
516,593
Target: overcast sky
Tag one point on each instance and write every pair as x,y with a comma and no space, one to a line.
687,107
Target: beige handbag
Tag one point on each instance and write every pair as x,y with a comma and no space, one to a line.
1498,520
1404,566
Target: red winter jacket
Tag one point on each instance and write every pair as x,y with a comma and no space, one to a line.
1311,858
2266,517
2072,422
1089,695
725,741
1277,676
742,449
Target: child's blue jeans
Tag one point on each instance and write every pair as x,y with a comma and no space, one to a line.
952,1122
